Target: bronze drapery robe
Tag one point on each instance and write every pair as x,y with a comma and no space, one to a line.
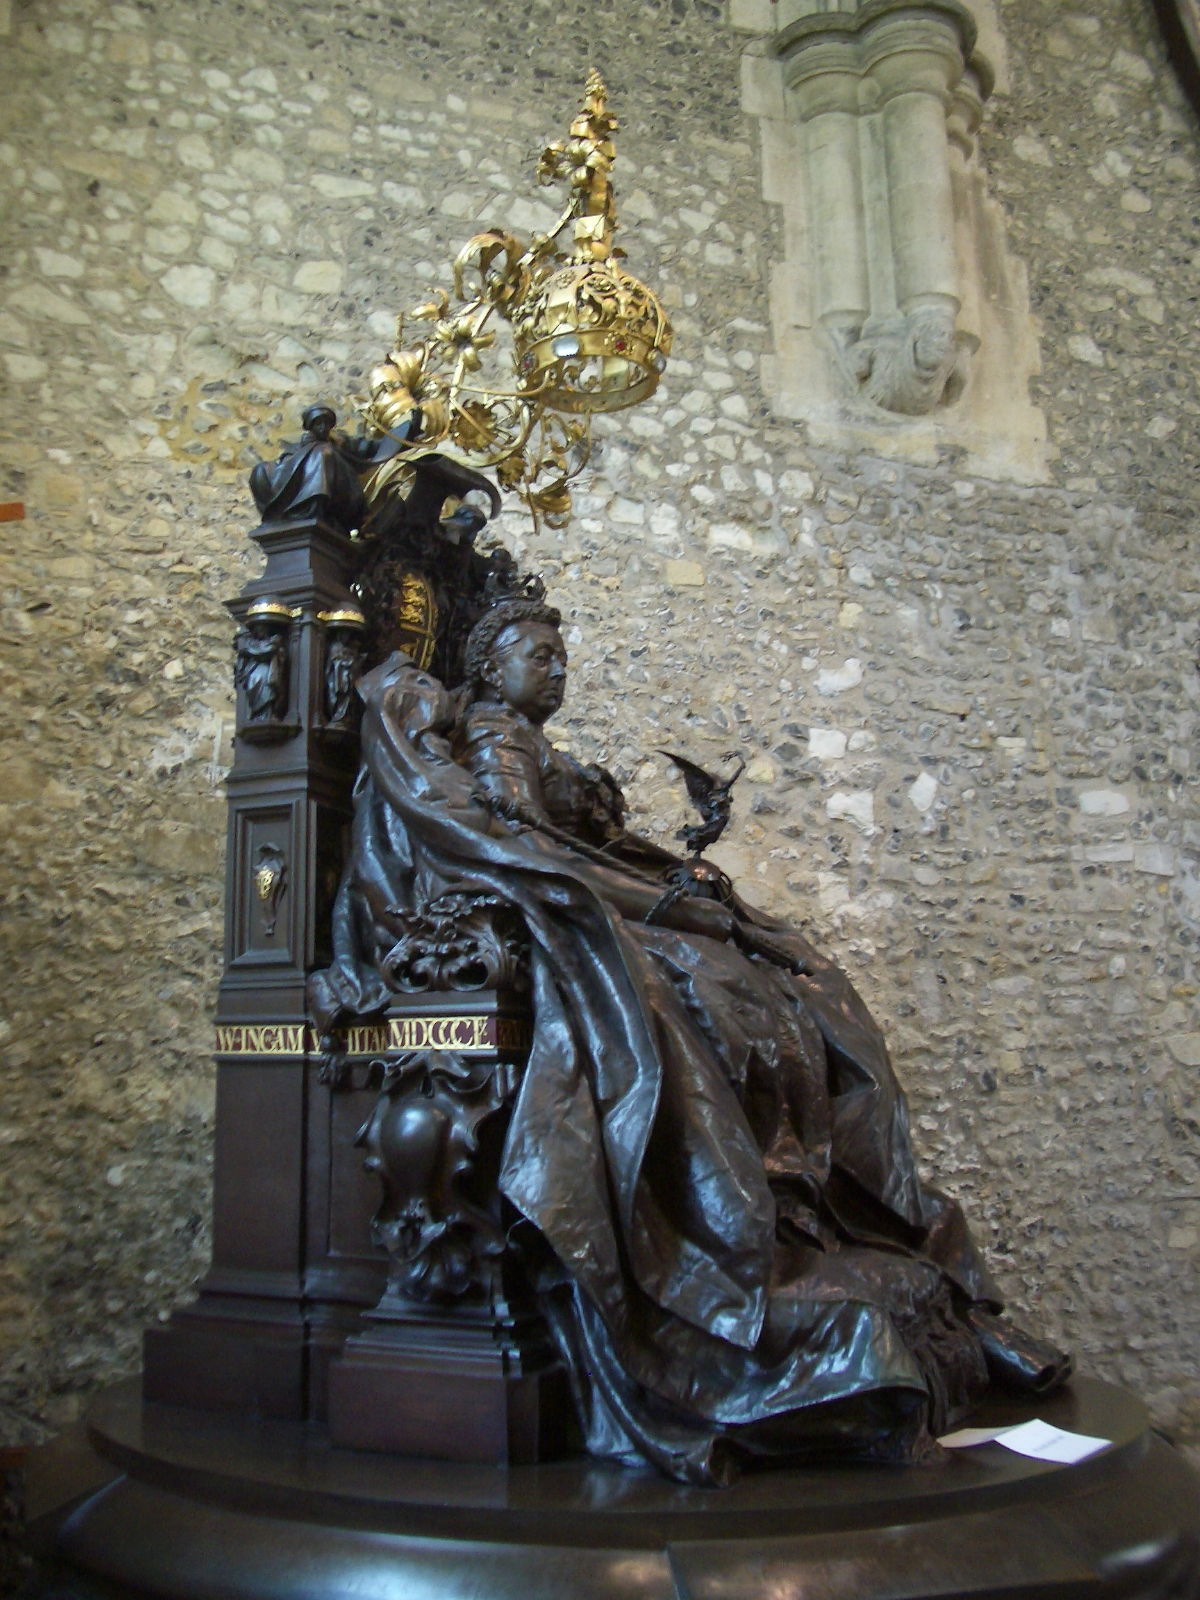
737,1256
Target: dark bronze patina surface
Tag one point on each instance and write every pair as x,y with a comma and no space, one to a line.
707,1179
1180,24
693,1195
210,1505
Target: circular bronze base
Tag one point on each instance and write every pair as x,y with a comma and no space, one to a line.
211,1505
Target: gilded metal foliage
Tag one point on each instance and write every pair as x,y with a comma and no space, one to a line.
585,336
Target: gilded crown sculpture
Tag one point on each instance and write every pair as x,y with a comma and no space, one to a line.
587,336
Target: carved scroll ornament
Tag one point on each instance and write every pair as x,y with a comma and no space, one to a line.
460,941
437,1220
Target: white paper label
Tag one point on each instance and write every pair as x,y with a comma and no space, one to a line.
1036,1439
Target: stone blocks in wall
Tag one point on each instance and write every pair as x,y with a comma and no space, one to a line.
900,319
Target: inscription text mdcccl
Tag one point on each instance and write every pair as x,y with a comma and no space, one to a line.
468,1035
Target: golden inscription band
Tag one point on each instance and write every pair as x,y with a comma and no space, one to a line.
465,1035
265,1039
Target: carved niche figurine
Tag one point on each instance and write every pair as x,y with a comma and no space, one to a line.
706,1175
315,477
345,659
262,667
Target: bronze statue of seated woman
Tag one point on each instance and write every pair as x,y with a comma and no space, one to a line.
708,1170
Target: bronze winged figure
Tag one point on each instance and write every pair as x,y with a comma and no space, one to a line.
712,797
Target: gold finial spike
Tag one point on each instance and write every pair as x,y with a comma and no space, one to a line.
586,159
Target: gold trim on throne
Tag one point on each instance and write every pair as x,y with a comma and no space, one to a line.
416,614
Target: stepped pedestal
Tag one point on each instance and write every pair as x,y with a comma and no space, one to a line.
202,1504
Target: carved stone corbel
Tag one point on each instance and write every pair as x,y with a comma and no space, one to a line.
900,319
909,362
871,89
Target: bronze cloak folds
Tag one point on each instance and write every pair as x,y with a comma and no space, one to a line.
726,1227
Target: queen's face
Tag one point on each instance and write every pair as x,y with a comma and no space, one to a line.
528,670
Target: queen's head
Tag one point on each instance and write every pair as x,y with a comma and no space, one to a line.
515,656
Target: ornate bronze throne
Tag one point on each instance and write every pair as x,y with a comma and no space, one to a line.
402,1321
401,1318
292,1264
454,1360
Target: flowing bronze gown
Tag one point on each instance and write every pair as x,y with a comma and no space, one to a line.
724,1222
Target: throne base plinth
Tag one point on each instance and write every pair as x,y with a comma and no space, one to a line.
451,1386
201,1504
227,1363
383,1396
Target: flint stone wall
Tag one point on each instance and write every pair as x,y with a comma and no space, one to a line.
970,708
